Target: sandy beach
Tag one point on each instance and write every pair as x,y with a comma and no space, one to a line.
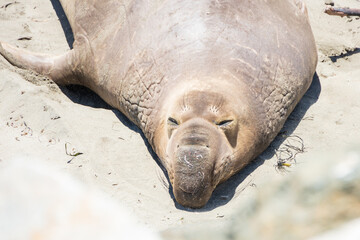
42,121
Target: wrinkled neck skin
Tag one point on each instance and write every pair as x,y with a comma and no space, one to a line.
206,134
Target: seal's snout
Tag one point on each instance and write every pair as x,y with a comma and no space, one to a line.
193,174
194,151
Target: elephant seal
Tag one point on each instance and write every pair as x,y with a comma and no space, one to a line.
209,82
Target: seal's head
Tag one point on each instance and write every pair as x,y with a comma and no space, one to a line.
206,136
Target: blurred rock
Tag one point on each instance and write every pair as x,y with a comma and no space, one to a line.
37,202
317,199
348,231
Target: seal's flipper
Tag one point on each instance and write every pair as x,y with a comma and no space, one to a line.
58,68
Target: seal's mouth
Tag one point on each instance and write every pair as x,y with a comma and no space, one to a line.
193,173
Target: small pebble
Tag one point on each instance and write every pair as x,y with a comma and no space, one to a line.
329,2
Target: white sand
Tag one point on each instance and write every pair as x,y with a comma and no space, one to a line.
38,119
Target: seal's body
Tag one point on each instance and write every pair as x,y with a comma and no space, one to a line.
210,83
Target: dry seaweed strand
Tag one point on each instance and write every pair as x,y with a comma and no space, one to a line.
24,38
8,4
339,11
295,140
238,191
286,154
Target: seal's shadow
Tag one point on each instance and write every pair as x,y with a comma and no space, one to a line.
64,22
224,192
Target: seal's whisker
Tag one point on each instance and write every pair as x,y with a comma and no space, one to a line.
219,103
163,180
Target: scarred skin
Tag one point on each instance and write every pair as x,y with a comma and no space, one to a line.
210,83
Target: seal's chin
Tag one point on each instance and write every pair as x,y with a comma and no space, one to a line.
192,200
193,175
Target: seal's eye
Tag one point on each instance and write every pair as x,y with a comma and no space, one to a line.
224,123
172,121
